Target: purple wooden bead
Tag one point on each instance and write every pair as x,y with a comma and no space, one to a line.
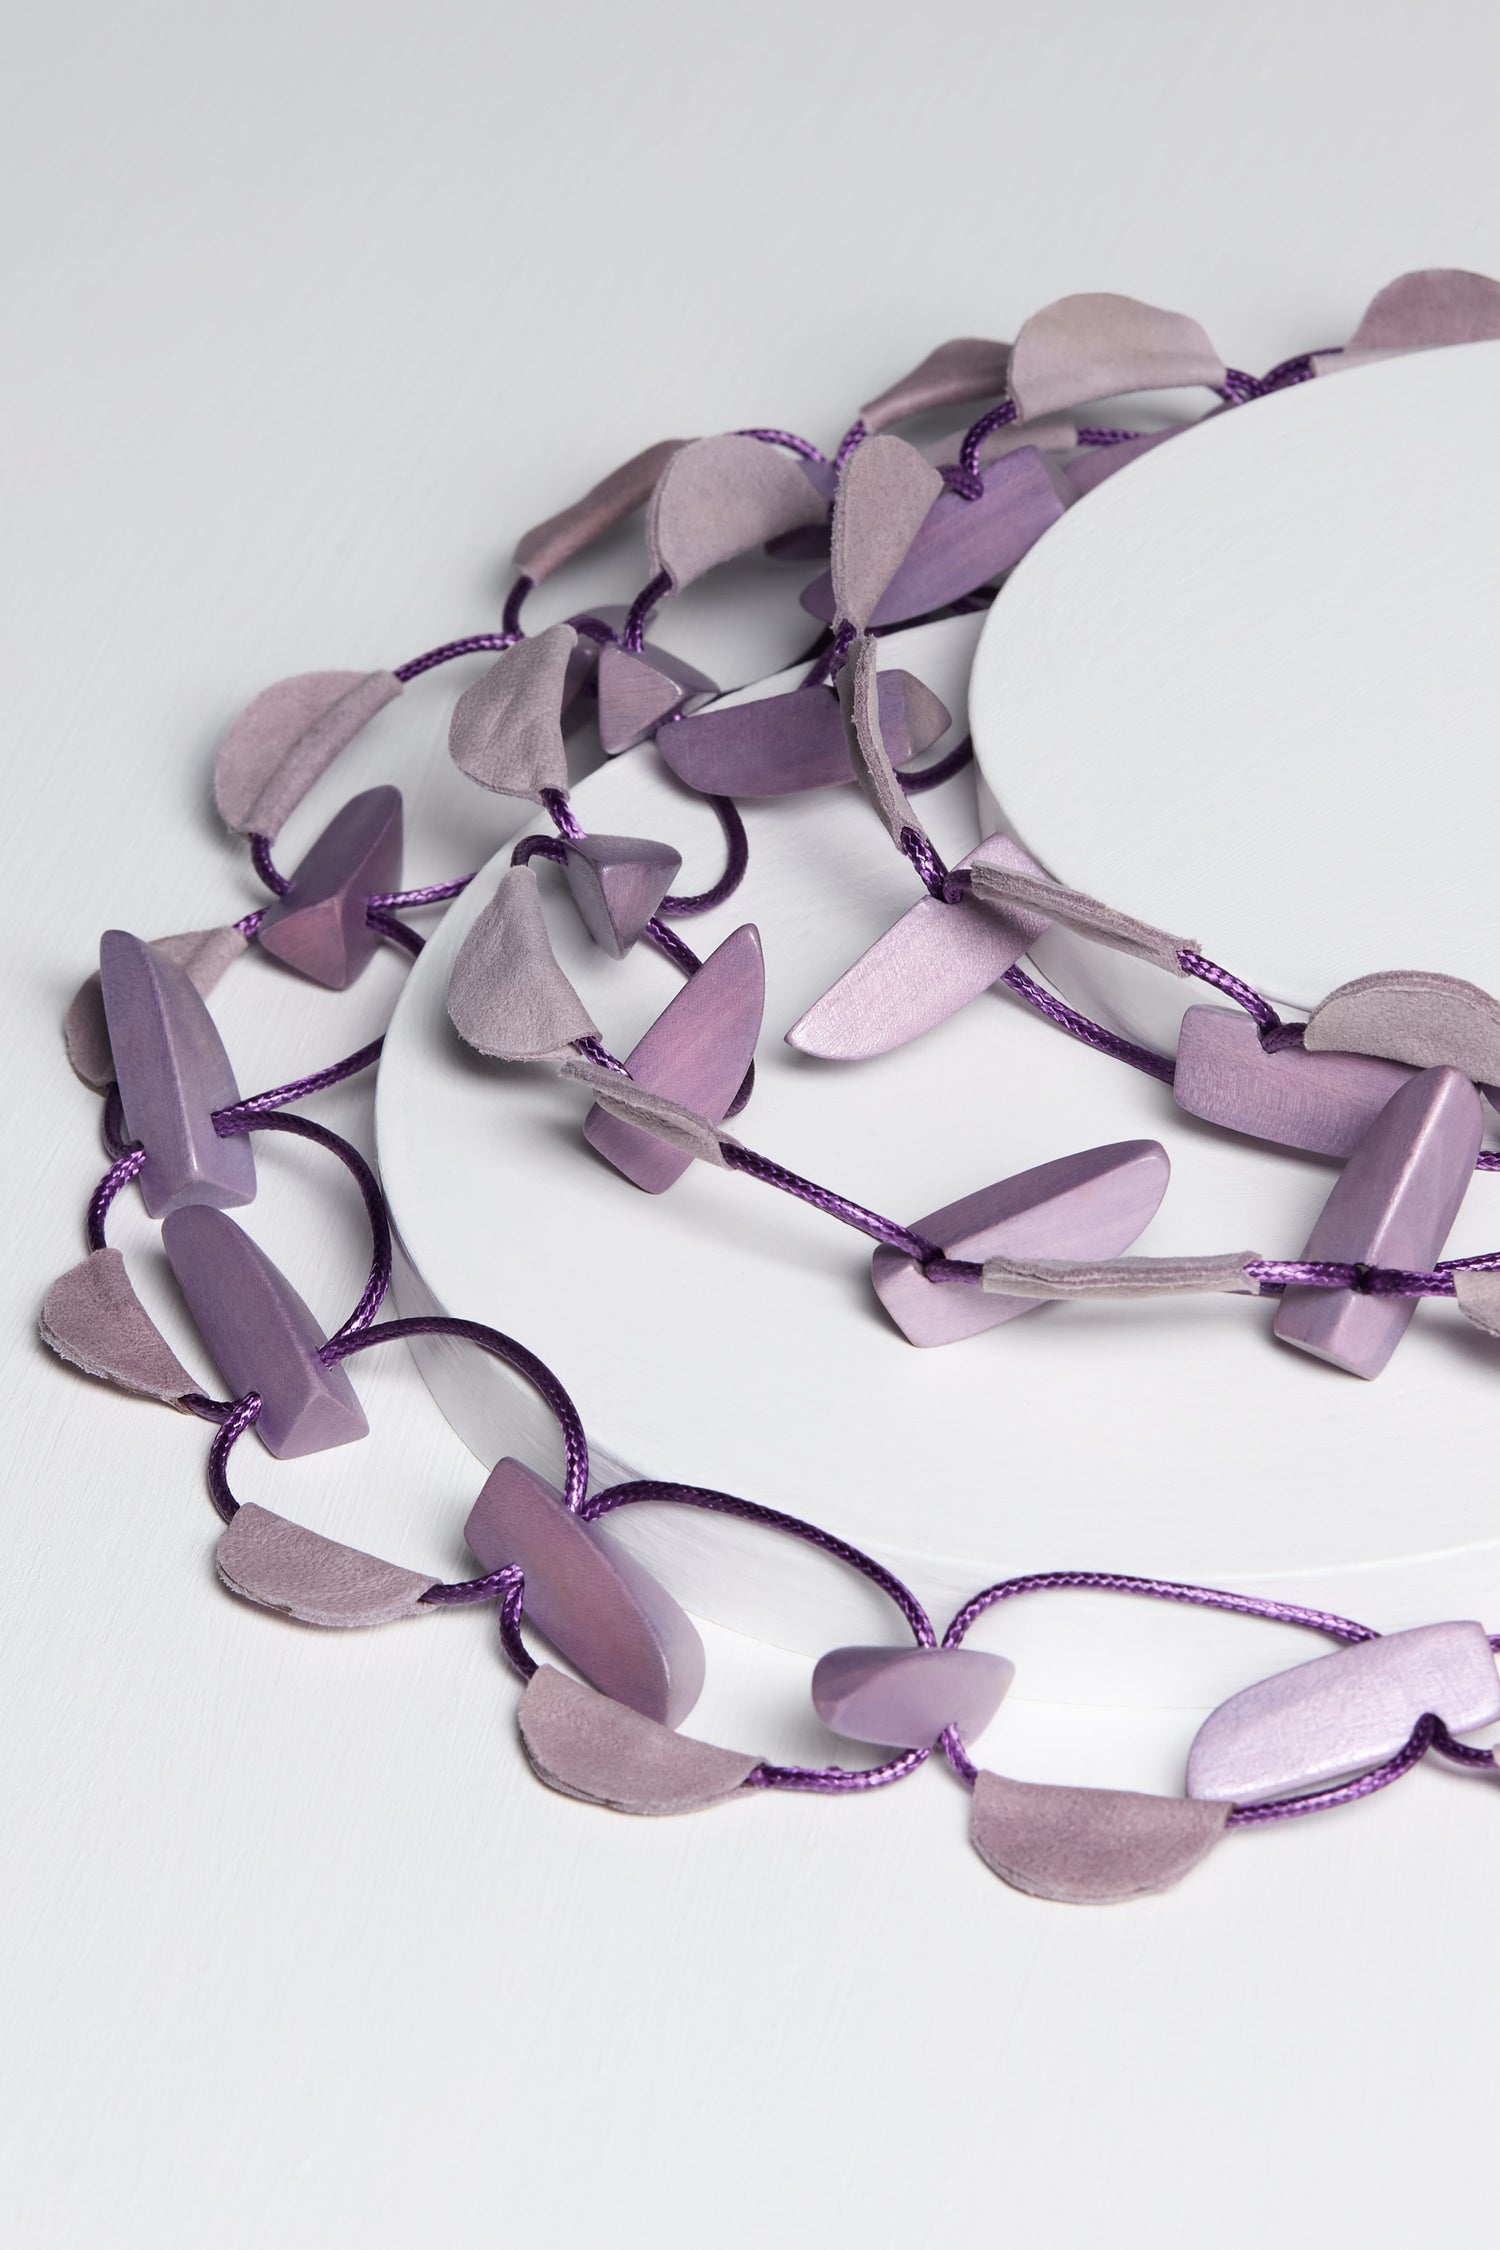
595,1603
1392,1205
963,543
617,883
1321,1102
784,743
696,1053
1342,1714
905,1697
1092,1205
262,1336
1089,1847
921,971
637,692
173,1074
319,928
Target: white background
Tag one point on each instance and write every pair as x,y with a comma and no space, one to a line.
310,310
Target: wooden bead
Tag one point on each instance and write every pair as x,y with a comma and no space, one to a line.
905,1697
173,1074
319,927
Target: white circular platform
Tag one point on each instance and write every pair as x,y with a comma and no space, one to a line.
725,1335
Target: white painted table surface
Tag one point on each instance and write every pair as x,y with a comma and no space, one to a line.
311,310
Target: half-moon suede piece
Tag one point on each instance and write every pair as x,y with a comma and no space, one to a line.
588,1746
506,732
1099,346
859,701
1089,1847
203,954
1090,917
547,546
319,1581
721,496
507,996
882,499
92,1317
1436,305
966,367
1119,1277
290,734
669,1121
1412,1016
1478,1294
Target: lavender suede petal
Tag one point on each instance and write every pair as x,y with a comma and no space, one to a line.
1101,462
1089,1847
967,367
94,1318
316,1580
1478,1293
506,995
173,1074
261,1334
1412,1016
905,1697
962,543
926,967
592,1599
781,744
696,1053
1392,1205
1301,1099
859,703
1089,1205
319,927
883,496
721,496
1121,1277
588,1746
636,693
506,732
204,954
666,1120
1342,1714
1097,346
617,883
1013,887
547,546
1438,305
290,734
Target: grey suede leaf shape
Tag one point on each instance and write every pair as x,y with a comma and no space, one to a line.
1118,1277
203,954
883,496
1415,1016
506,731
290,734
1090,917
547,546
507,996
859,701
1100,345
722,496
93,1318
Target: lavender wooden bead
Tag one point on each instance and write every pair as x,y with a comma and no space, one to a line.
962,543
1321,1102
781,744
696,1053
595,1603
617,883
1392,1205
905,1697
319,928
925,967
638,692
1089,1847
262,1336
173,1074
1090,1205
1342,1714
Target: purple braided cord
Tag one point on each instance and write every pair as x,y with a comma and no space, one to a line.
474,644
1349,1792
266,868
1154,1589
120,1173
594,1050
1237,387
943,769
677,951
538,847
231,1429
1083,1027
510,616
473,1589
854,436
430,894
373,1294
822,1780
790,440
634,633
738,859
920,850
554,803
997,418
595,629
1235,988
238,1115
1109,437
739,1159
248,924
388,926
967,483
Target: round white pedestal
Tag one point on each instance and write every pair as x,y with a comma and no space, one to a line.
724,1335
